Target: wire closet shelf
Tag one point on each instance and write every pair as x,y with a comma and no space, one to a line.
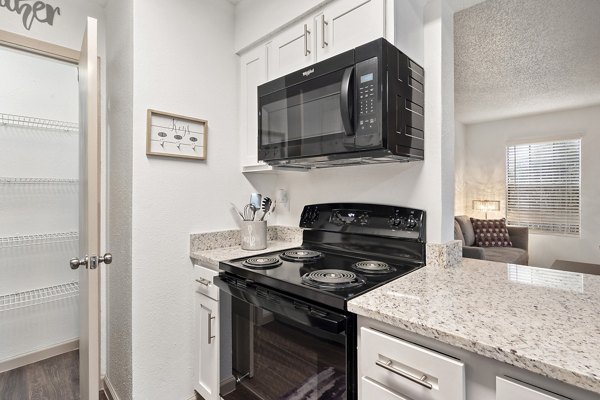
37,181
40,123
38,239
38,296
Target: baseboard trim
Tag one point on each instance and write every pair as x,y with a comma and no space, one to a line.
39,355
109,389
227,385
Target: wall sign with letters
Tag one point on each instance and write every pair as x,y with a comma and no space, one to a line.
32,11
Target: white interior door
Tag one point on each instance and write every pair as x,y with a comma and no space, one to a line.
89,215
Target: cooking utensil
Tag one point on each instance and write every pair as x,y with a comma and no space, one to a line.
237,210
266,207
249,212
255,201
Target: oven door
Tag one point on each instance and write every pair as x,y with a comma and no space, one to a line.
283,348
311,118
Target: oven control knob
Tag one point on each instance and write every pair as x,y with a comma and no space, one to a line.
412,222
315,215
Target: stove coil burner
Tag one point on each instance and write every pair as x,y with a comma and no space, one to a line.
332,279
373,267
301,255
262,262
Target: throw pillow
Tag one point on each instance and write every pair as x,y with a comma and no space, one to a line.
458,235
491,232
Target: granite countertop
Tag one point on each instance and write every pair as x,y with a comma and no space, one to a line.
207,249
545,321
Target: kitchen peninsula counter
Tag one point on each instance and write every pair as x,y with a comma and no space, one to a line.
541,320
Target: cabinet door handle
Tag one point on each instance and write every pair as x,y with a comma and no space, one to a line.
210,335
203,281
389,366
323,31
306,33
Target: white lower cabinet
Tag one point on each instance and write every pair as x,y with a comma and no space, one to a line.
206,331
510,389
396,364
371,389
392,368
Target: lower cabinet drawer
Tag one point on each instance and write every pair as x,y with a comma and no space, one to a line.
409,370
374,390
203,281
510,389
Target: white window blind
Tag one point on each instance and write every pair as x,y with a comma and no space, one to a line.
543,186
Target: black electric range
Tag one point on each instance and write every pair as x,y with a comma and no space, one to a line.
292,304
347,250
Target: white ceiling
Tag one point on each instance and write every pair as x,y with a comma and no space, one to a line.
515,57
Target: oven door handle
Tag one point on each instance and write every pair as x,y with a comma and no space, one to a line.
280,303
347,101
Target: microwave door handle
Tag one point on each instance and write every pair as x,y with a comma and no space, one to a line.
346,101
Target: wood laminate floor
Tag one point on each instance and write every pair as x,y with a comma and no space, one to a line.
55,378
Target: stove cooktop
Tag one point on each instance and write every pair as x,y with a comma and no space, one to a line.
316,274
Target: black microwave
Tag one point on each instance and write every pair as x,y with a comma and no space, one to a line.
362,106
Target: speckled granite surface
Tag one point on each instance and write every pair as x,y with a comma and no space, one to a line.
209,248
444,255
545,321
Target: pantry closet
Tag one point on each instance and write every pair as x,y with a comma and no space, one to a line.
39,207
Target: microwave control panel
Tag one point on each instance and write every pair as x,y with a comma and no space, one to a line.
368,97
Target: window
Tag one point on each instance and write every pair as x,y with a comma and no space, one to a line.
543,186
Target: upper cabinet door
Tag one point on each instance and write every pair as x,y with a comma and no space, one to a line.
344,25
292,49
253,68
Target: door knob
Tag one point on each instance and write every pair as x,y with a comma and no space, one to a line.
91,262
106,258
76,262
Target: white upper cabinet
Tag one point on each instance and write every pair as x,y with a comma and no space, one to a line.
344,25
253,72
292,49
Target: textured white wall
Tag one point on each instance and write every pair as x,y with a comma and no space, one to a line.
429,184
183,63
460,206
486,168
119,16
68,27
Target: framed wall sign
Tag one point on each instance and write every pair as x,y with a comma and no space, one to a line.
173,135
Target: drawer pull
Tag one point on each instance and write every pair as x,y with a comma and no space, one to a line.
204,282
421,381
